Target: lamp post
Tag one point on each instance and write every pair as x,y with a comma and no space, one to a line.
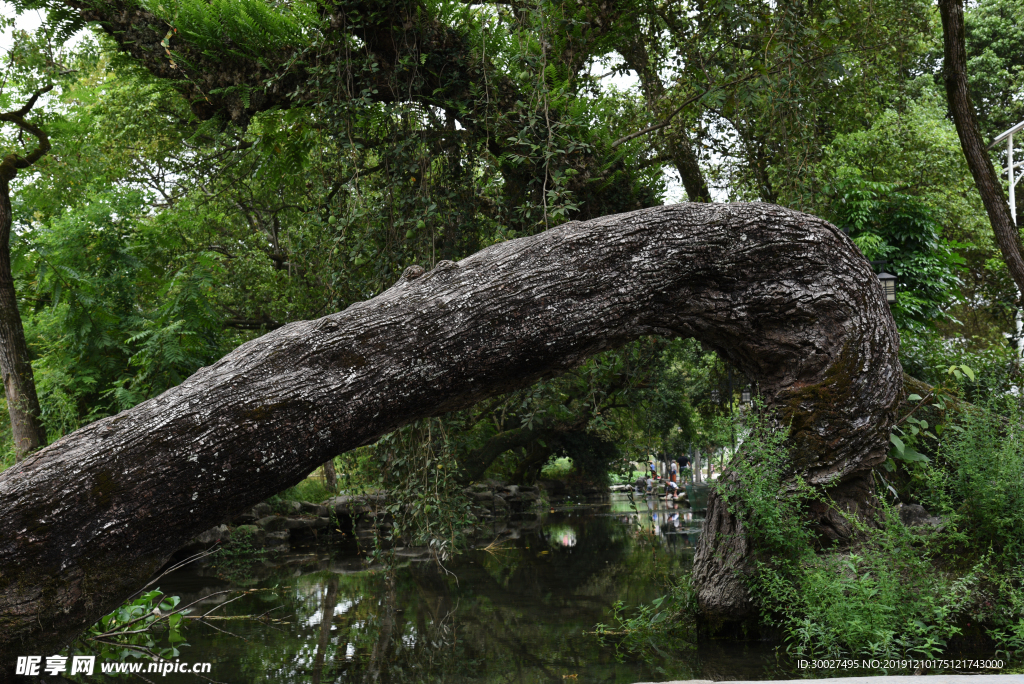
1007,135
888,280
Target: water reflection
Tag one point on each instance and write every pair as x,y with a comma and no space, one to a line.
515,612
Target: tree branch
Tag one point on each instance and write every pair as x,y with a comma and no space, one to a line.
17,117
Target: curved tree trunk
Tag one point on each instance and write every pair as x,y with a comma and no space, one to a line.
785,296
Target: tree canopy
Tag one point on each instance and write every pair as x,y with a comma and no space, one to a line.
220,169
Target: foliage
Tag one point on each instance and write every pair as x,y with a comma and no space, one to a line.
236,560
902,231
417,467
925,355
977,485
895,591
137,629
667,622
311,489
557,468
156,236
884,595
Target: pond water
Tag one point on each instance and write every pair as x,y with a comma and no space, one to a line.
518,611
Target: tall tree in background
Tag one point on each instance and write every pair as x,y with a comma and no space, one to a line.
959,98
19,384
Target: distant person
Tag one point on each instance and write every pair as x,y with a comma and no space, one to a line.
653,468
673,471
684,465
671,490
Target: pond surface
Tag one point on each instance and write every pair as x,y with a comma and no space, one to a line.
518,611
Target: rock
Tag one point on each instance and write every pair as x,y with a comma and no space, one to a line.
485,496
513,490
351,505
298,523
207,539
528,496
306,523
245,518
261,510
312,508
341,505
479,486
214,535
290,507
272,523
253,532
916,515
276,538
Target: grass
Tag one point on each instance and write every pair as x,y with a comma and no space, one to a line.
558,468
310,489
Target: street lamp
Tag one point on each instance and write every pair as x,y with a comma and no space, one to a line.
745,396
888,281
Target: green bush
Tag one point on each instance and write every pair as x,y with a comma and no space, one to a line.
980,480
557,468
310,489
897,591
894,591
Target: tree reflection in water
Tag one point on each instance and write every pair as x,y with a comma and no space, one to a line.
517,612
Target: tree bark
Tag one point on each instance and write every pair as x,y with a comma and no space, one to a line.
958,96
19,383
786,297
330,475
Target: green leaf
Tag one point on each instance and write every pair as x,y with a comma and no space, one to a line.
967,371
911,455
898,443
914,397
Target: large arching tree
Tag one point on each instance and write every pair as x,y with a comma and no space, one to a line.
784,296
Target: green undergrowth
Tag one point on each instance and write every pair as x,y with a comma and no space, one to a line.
895,591
557,468
236,560
666,623
310,489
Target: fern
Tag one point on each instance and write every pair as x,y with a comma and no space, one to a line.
238,28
